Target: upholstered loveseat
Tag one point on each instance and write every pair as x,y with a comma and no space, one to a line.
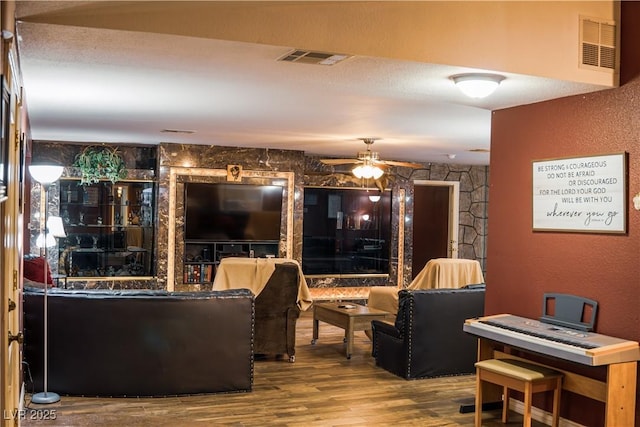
140,343
427,339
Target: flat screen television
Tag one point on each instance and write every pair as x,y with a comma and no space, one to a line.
232,212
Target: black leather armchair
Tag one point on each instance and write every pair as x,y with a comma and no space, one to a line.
277,313
427,339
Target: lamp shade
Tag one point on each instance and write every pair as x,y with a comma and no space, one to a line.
45,174
477,85
55,227
49,242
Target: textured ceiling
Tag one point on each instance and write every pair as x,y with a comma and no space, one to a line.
101,82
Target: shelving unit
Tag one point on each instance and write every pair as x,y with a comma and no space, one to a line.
109,227
202,257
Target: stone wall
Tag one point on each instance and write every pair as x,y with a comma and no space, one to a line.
474,197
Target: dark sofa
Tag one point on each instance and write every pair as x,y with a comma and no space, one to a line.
140,343
427,339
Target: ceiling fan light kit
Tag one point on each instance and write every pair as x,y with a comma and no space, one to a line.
367,171
368,161
477,85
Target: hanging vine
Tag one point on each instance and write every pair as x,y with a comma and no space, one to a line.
100,162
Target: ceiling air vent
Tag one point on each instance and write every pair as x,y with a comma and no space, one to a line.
310,57
598,43
183,131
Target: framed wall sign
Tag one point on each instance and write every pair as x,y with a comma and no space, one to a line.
581,194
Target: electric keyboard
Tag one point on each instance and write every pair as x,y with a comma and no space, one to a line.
574,345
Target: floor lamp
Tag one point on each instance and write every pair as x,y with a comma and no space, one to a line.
45,175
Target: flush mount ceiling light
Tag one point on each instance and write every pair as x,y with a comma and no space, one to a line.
477,85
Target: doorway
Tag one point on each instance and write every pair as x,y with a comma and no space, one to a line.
435,222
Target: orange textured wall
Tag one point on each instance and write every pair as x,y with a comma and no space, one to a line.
521,264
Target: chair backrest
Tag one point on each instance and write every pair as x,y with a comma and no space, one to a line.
34,269
446,273
281,291
276,311
432,322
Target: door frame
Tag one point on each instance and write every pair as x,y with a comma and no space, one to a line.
454,211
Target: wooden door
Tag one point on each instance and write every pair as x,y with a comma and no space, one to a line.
11,232
435,222
10,273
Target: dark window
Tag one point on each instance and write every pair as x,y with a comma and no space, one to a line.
345,231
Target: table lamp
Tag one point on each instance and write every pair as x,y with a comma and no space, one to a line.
45,175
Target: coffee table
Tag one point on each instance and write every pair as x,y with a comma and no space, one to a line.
348,316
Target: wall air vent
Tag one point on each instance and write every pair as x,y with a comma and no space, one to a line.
598,44
183,131
310,57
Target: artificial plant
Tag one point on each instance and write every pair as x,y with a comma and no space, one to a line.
100,162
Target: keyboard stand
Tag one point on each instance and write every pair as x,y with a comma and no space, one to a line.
617,391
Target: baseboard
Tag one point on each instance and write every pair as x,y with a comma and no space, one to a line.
467,407
540,415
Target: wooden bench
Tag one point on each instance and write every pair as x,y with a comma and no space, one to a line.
521,376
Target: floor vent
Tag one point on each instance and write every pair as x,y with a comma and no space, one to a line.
598,46
311,57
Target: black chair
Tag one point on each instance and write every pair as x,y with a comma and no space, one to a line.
427,339
276,313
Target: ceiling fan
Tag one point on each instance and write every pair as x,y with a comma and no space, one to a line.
368,162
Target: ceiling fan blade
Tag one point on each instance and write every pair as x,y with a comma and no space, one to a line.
339,161
403,164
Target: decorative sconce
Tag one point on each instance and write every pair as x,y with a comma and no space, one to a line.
636,201
477,85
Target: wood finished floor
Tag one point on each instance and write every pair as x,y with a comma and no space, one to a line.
322,388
